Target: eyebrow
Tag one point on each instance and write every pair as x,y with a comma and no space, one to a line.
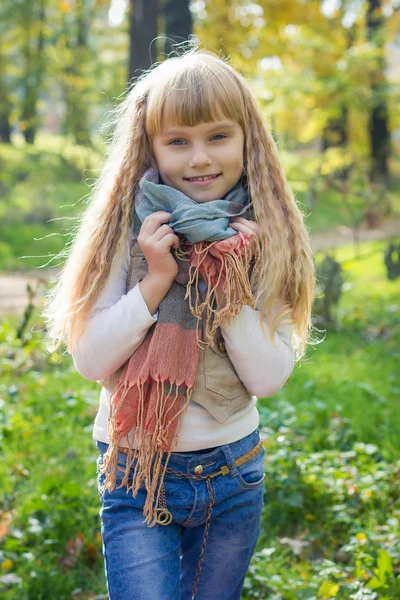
222,125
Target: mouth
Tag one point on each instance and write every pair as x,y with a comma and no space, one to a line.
201,180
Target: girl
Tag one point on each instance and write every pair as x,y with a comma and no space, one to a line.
188,294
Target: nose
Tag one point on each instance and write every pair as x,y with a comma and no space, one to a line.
200,158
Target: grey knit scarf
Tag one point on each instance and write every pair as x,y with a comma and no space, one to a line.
208,221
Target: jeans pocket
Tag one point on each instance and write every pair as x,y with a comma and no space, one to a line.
251,474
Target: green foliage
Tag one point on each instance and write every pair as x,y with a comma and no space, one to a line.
43,190
49,508
318,64
331,518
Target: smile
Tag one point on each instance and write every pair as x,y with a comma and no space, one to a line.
202,178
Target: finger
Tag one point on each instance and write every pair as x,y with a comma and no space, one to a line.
253,226
246,221
152,222
169,240
161,232
242,228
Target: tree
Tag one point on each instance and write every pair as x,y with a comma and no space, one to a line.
6,23
32,21
378,120
5,104
178,22
76,67
143,29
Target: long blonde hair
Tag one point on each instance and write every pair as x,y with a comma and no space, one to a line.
194,87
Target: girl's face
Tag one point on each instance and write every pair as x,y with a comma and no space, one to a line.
214,148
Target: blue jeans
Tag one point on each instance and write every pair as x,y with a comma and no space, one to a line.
160,562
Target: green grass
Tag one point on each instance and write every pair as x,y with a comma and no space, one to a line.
351,363
333,454
43,189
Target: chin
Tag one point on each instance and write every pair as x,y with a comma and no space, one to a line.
208,196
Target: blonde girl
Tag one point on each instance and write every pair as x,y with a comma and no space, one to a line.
187,293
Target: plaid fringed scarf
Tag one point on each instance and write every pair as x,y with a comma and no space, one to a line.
155,387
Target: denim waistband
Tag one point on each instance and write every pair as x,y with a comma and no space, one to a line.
225,454
201,451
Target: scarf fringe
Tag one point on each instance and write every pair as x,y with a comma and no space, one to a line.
233,280
148,454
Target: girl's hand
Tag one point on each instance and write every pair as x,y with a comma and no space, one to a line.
248,227
155,240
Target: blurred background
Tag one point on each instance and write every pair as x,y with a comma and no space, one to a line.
326,75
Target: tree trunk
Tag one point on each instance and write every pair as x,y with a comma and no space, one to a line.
378,119
80,129
335,132
178,23
143,30
5,109
75,84
34,67
5,129
5,103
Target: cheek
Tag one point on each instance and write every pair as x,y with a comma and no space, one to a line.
162,157
237,165
169,164
235,158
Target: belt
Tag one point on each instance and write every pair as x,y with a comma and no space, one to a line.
239,461
223,470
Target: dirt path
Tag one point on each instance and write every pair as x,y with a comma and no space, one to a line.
344,235
13,289
13,286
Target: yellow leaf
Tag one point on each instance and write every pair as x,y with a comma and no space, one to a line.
328,590
65,7
7,564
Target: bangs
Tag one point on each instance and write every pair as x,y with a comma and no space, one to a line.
192,94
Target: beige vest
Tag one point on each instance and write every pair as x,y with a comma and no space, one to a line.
217,387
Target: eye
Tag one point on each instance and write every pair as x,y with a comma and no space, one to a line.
173,144
220,135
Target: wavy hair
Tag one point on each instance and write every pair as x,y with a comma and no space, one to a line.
195,87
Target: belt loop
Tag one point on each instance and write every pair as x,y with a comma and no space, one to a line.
230,460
